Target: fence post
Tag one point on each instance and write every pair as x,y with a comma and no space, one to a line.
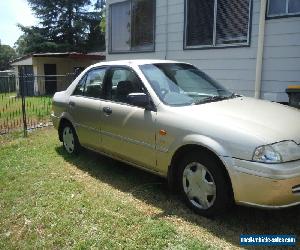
22,88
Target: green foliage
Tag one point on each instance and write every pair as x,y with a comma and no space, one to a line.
103,21
21,45
35,39
65,25
49,201
37,111
7,54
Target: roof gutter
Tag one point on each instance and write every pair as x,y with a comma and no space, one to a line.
260,48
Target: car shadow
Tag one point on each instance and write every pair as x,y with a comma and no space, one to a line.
154,191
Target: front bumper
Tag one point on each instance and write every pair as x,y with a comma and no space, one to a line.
265,185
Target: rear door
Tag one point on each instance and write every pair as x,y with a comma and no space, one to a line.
85,107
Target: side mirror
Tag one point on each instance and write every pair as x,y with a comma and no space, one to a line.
140,99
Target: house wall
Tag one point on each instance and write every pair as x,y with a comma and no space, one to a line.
233,67
27,61
16,72
63,66
281,66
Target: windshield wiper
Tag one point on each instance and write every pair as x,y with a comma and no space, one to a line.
235,95
215,98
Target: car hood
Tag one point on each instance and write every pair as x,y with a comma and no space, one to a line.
243,120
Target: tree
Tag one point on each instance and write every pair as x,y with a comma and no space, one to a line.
7,54
103,21
34,40
65,25
101,4
96,38
21,46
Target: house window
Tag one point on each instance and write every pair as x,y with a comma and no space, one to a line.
278,8
217,23
132,26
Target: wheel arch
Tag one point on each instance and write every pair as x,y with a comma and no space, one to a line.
62,122
181,151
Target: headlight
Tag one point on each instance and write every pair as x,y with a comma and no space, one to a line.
277,152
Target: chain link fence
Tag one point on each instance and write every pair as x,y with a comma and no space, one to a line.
26,100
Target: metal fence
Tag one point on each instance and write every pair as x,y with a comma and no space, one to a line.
7,83
26,100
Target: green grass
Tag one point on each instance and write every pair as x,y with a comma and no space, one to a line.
37,110
51,200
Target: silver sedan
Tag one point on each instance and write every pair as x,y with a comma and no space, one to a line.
215,147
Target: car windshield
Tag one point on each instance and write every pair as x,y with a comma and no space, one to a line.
179,84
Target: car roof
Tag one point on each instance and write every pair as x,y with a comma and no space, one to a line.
134,62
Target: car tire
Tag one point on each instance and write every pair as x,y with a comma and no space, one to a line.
70,140
204,184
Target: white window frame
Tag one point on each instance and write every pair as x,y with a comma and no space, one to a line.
286,14
131,50
215,45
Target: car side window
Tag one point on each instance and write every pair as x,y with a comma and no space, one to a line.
123,82
94,83
79,90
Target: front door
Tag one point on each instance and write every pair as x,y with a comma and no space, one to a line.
50,79
127,131
85,108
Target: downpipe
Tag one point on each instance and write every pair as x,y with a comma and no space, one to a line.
260,48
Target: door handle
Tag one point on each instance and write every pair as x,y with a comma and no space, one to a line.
107,110
72,104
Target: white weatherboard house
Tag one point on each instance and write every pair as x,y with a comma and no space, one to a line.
251,46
